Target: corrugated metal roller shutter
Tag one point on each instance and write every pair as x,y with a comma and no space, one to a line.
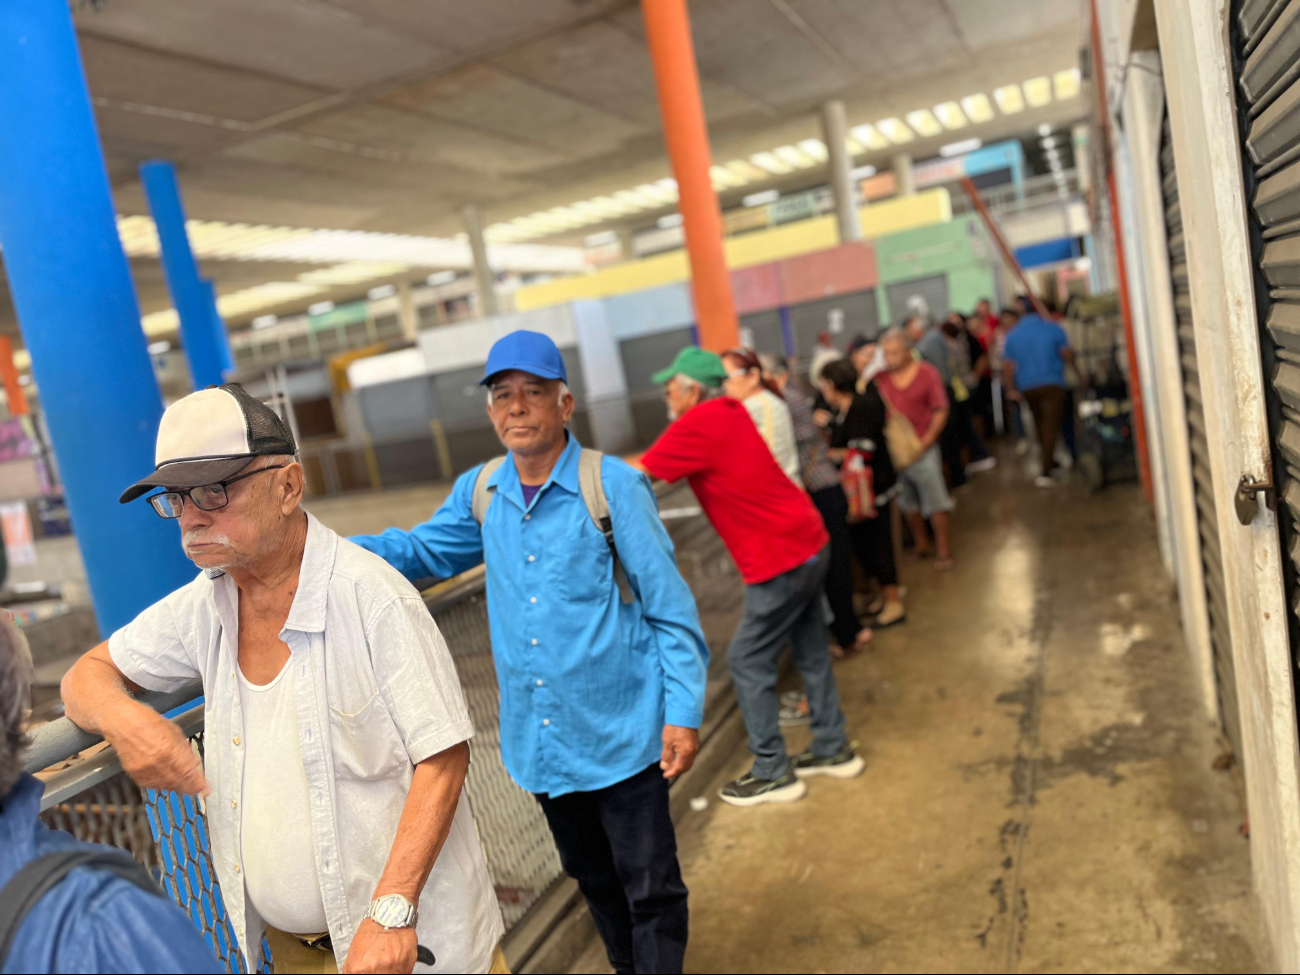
1268,46
1202,482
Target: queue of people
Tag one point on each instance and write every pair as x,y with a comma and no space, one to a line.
337,737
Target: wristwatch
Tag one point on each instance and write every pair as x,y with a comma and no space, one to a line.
391,911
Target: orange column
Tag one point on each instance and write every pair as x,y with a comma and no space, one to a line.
668,33
9,375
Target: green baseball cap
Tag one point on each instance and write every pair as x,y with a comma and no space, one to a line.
704,367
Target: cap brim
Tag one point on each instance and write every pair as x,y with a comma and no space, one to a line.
532,370
188,474
663,375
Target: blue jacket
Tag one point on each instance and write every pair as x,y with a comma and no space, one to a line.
91,921
587,682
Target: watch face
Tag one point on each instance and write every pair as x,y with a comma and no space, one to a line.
391,911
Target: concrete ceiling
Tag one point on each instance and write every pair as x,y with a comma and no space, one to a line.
388,115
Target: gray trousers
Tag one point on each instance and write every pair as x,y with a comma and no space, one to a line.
787,609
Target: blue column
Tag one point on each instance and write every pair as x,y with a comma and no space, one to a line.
72,290
227,358
206,347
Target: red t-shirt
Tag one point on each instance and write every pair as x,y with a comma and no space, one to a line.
768,524
920,400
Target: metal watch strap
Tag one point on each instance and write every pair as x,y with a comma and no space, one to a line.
408,922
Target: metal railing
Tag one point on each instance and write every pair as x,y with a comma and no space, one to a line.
88,794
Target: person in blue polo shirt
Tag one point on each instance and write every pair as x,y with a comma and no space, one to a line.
1033,367
599,654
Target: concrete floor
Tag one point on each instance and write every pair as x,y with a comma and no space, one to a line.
1039,795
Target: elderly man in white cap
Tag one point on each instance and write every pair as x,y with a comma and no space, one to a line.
336,734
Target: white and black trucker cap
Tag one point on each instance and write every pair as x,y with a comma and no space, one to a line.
211,435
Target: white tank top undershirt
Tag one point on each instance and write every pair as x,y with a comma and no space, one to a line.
275,834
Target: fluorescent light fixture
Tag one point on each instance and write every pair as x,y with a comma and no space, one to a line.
745,170
723,178
960,148
978,108
601,239
951,115
633,199
1045,129
158,348
1047,142
383,291
1066,83
794,156
924,122
895,130
853,146
869,137
814,149
659,192
862,172
1038,91
25,379
761,199
668,221
320,308
1010,99
440,277
669,186
265,321
769,162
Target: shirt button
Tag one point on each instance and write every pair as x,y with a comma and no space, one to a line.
545,722
236,739
528,517
532,558
233,804
534,643
236,868
531,600
539,683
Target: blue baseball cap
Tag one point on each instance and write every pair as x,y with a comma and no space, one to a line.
530,352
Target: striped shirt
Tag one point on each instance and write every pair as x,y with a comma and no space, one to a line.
814,466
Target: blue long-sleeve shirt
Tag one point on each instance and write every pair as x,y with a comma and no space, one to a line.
587,682
92,920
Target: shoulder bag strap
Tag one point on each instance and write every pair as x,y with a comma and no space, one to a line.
482,493
37,877
593,495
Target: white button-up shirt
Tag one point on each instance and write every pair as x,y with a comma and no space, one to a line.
376,692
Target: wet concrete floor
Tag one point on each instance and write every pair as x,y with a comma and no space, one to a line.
1040,793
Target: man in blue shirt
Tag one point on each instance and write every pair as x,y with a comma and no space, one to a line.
92,920
602,694
1033,367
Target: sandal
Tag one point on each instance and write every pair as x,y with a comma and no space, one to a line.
891,615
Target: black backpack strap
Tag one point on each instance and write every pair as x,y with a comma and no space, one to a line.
37,877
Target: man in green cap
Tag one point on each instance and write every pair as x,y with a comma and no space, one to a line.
780,546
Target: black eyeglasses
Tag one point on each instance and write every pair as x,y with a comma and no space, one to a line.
206,497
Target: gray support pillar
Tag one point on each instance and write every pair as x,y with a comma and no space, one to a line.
406,315
487,294
902,164
835,130
625,242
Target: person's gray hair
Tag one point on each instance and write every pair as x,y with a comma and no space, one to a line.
774,363
564,391
15,697
896,334
690,382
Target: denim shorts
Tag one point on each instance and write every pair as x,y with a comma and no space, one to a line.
924,489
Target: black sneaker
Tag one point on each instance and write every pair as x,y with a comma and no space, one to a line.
846,765
749,790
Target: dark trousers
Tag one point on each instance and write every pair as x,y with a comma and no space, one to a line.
618,844
781,611
834,508
873,544
950,444
1047,403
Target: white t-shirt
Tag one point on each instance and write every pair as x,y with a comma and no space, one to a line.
280,875
772,417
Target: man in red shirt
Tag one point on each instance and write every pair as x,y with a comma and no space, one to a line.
780,547
914,390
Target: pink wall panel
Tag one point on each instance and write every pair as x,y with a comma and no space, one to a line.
823,274
756,288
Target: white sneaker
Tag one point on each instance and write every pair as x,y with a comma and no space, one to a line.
980,466
1043,481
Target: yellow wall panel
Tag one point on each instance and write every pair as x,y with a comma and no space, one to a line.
745,250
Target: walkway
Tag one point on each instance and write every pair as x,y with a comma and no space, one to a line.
1039,793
